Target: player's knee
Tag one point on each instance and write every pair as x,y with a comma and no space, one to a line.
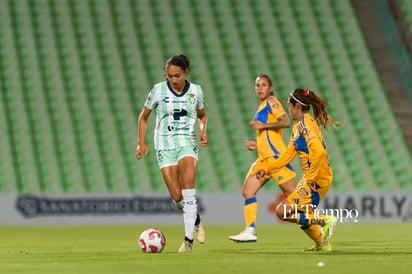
279,211
249,190
248,193
284,211
245,194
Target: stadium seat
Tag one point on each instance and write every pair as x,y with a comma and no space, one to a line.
406,7
77,73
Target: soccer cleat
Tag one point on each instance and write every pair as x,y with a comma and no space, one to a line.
320,248
199,232
327,228
244,237
186,246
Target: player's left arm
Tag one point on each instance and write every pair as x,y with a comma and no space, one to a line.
201,115
285,158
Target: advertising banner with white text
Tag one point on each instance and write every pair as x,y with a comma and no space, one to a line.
216,208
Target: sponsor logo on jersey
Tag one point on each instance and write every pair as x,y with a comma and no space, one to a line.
192,99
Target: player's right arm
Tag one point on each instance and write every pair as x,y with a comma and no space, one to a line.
285,158
283,122
142,149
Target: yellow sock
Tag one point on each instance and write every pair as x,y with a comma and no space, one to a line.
250,211
314,232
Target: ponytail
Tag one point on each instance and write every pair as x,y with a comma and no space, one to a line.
307,98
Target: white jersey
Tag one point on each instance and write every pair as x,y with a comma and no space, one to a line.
176,114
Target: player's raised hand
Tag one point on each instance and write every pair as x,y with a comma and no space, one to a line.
141,150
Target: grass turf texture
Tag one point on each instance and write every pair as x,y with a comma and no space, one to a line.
358,248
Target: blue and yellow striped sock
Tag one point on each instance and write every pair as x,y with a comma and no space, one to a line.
314,232
250,211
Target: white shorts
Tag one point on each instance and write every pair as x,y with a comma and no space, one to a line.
171,157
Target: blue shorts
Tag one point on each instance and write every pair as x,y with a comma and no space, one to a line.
171,157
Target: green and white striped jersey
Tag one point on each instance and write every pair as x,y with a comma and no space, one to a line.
176,114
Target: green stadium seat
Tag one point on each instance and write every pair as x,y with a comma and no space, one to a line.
78,73
406,7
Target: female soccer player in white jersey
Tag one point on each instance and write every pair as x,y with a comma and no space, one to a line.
178,104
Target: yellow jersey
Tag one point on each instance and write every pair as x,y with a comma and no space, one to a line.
307,141
269,142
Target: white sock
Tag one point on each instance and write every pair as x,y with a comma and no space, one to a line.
189,211
179,205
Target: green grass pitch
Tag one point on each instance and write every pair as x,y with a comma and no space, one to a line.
358,248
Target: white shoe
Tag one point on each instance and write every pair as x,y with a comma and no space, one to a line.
244,237
186,246
199,233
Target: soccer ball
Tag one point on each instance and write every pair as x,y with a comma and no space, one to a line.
152,241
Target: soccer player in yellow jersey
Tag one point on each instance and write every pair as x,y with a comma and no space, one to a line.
307,141
269,120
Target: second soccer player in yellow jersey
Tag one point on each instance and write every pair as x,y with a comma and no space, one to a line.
306,141
268,122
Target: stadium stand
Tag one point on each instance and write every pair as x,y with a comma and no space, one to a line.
406,7
74,75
